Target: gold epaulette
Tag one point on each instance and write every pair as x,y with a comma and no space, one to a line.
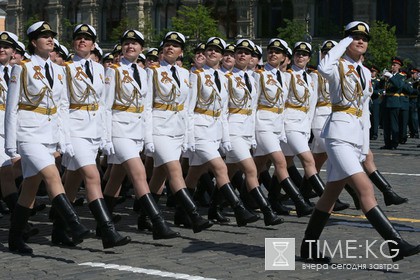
315,71
68,62
197,71
22,62
402,74
289,70
259,71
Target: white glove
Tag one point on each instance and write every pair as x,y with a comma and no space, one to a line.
253,145
348,40
149,147
387,74
108,149
226,146
191,147
68,150
184,147
12,152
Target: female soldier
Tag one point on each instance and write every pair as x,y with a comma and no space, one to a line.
242,107
170,87
272,90
129,118
85,89
346,134
36,94
228,60
209,129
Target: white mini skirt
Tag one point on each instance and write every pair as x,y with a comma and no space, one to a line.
35,157
125,149
4,159
85,152
204,152
267,143
241,146
167,148
318,143
344,159
297,143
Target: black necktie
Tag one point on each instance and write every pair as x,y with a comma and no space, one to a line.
6,75
359,71
136,74
279,77
48,75
217,80
173,70
87,70
304,77
247,82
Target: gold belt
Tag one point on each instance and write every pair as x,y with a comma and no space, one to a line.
304,109
130,109
276,110
86,107
349,110
2,107
393,94
40,110
323,103
170,107
240,111
210,113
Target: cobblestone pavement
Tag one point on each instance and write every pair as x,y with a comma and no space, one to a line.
228,251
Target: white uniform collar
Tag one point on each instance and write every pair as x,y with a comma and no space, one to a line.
82,61
37,60
270,68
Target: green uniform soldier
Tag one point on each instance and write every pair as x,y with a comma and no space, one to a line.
393,86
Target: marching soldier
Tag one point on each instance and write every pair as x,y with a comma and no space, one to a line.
37,92
86,102
272,92
209,130
346,135
242,107
170,87
129,122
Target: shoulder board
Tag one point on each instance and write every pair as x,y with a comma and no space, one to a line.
228,74
315,71
68,62
289,71
197,71
341,59
24,61
154,66
259,71
402,74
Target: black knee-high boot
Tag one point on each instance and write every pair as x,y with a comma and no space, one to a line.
295,175
110,202
184,199
18,222
215,208
309,248
110,236
143,221
302,208
400,248
66,212
242,215
205,185
265,179
11,201
160,229
270,218
59,234
382,184
318,187
274,197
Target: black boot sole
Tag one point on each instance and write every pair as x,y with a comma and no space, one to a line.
123,241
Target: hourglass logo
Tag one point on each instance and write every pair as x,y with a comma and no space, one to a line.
279,254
